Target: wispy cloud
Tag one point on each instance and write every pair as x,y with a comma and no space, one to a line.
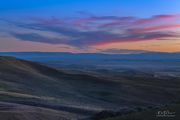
47,21
110,21
158,18
34,37
134,37
158,28
101,29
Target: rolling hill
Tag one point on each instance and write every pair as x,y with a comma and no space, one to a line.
30,86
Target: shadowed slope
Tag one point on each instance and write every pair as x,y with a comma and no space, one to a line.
29,83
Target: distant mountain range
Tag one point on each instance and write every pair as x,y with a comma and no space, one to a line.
145,55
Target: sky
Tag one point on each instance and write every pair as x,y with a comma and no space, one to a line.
109,26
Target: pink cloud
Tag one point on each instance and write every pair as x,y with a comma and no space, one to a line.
142,21
106,19
135,37
158,28
73,30
157,18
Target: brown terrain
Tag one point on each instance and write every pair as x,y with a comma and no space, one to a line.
31,91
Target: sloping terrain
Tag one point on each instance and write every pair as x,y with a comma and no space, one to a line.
38,87
11,111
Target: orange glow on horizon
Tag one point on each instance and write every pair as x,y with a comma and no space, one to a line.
153,45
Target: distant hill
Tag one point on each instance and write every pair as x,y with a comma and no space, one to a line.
149,61
63,55
29,83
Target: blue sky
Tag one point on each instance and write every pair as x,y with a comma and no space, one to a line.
118,7
72,23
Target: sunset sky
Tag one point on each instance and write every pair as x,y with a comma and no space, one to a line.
89,25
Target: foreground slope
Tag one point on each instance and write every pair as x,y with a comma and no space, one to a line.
31,84
11,111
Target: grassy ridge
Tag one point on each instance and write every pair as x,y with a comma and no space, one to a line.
29,83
